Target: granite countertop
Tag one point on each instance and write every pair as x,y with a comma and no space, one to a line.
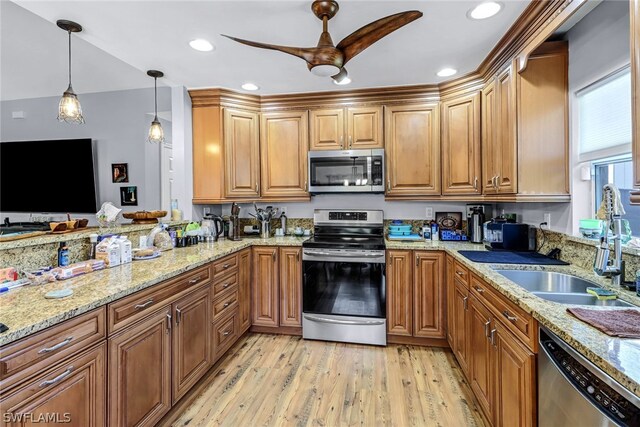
26,311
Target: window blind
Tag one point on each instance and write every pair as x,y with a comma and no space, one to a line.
605,114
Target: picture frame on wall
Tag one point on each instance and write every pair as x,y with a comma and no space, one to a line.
119,172
129,196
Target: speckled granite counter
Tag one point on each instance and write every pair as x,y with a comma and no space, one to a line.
26,311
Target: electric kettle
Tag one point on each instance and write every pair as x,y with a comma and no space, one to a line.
215,223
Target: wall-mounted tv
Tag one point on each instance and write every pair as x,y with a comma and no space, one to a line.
53,176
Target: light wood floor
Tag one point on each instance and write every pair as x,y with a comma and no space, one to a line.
277,380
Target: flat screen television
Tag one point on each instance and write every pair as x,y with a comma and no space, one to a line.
61,176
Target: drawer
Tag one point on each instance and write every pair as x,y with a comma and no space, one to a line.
225,333
130,309
225,304
461,273
223,284
225,266
513,317
31,355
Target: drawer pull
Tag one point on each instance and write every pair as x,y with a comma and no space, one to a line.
492,337
460,273
464,302
225,266
168,323
56,347
226,285
509,317
59,378
225,333
478,290
486,328
144,305
194,280
226,304
178,315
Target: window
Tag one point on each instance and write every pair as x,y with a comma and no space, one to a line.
618,171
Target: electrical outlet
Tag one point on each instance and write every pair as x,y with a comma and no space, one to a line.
428,213
547,219
206,211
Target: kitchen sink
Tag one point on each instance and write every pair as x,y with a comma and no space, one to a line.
559,287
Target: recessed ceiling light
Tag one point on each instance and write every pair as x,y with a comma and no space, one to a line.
250,86
344,81
201,45
447,72
485,10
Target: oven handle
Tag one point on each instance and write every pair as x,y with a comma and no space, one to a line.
343,322
345,255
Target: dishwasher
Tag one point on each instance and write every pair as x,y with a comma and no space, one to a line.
573,391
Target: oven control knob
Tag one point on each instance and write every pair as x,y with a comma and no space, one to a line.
590,389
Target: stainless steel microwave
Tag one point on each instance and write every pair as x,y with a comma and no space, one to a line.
348,171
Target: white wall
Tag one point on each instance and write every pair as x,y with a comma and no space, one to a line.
598,45
118,122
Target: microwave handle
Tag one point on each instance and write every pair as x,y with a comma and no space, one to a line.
369,172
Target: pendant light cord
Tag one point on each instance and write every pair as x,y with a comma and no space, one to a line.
69,58
155,96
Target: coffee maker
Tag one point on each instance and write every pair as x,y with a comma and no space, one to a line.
476,214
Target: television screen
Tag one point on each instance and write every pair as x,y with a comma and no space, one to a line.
60,176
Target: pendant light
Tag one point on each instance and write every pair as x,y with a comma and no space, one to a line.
69,109
156,134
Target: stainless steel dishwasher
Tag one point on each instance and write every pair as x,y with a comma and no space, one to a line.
573,391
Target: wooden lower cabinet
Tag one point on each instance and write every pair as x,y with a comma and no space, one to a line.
429,295
399,292
290,286
74,394
140,371
191,340
460,317
482,366
515,381
264,292
244,290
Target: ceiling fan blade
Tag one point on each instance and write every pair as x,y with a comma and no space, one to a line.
306,53
364,37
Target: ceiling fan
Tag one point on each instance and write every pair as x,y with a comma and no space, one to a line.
326,59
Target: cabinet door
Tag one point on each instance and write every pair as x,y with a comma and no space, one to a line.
241,153
399,293
191,340
208,164
264,292
327,129
482,360
507,141
74,393
412,140
515,381
284,143
461,326
635,95
140,371
490,151
450,295
290,287
428,295
461,170
244,290
364,127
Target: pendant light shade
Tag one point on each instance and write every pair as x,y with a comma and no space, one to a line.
156,134
69,109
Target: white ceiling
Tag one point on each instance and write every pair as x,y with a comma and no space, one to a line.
155,34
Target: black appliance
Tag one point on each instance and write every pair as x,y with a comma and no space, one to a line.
500,234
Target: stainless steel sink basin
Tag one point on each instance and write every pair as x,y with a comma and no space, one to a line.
559,287
546,281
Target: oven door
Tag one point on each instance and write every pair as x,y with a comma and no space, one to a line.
344,295
354,171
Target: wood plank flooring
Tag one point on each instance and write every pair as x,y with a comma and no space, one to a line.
278,380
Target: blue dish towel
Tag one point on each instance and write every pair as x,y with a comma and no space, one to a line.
508,257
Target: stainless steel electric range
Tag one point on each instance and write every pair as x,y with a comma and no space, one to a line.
344,291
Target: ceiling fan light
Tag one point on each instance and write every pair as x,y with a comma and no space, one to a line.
69,109
344,81
325,70
156,134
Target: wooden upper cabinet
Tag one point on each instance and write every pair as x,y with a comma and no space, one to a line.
515,381
543,122
140,371
284,142
291,287
412,140
461,159
429,295
208,160
489,137
364,128
244,289
327,129
191,340
264,292
399,292
241,153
